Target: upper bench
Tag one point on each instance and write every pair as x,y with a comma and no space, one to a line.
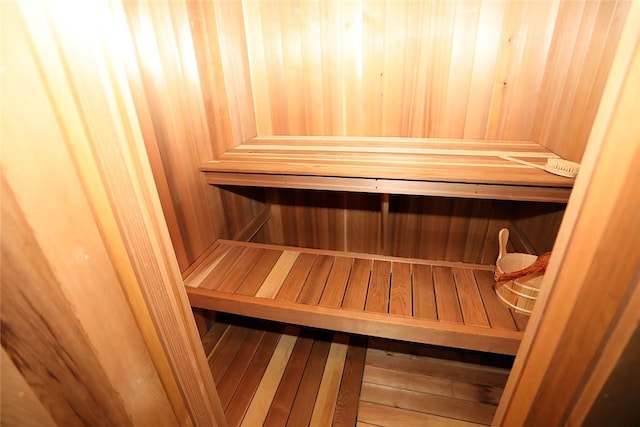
417,166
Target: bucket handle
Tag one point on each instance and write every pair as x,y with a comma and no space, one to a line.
503,238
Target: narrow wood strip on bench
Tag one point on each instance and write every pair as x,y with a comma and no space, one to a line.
498,313
258,273
274,280
356,293
446,295
424,299
229,260
473,311
337,282
315,283
232,281
197,276
297,276
400,299
378,295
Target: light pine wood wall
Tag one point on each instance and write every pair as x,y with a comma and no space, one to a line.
526,70
437,228
192,102
209,75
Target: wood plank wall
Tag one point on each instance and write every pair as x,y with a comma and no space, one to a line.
209,75
192,101
459,69
578,63
463,230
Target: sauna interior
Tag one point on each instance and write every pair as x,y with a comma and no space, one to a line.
333,181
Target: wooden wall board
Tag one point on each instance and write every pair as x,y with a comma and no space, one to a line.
482,69
546,386
85,161
579,59
432,228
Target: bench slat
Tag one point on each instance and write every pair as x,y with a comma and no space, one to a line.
389,298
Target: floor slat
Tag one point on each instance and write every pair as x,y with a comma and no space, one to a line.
259,407
433,404
387,416
306,397
286,393
325,405
227,384
346,412
248,385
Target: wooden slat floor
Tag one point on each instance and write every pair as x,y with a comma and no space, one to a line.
403,162
271,374
451,304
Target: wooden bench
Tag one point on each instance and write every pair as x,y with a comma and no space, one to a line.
440,303
417,166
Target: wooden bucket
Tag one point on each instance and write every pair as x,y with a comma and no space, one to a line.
519,294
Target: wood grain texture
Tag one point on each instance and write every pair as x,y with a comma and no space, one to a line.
259,407
578,62
188,113
287,390
446,295
302,409
19,404
434,228
477,69
346,409
449,305
599,218
94,152
401,290
378,293
325,404
251,380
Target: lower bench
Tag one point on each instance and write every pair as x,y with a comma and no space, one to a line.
440,303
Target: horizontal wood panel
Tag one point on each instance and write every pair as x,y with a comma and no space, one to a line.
372,288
